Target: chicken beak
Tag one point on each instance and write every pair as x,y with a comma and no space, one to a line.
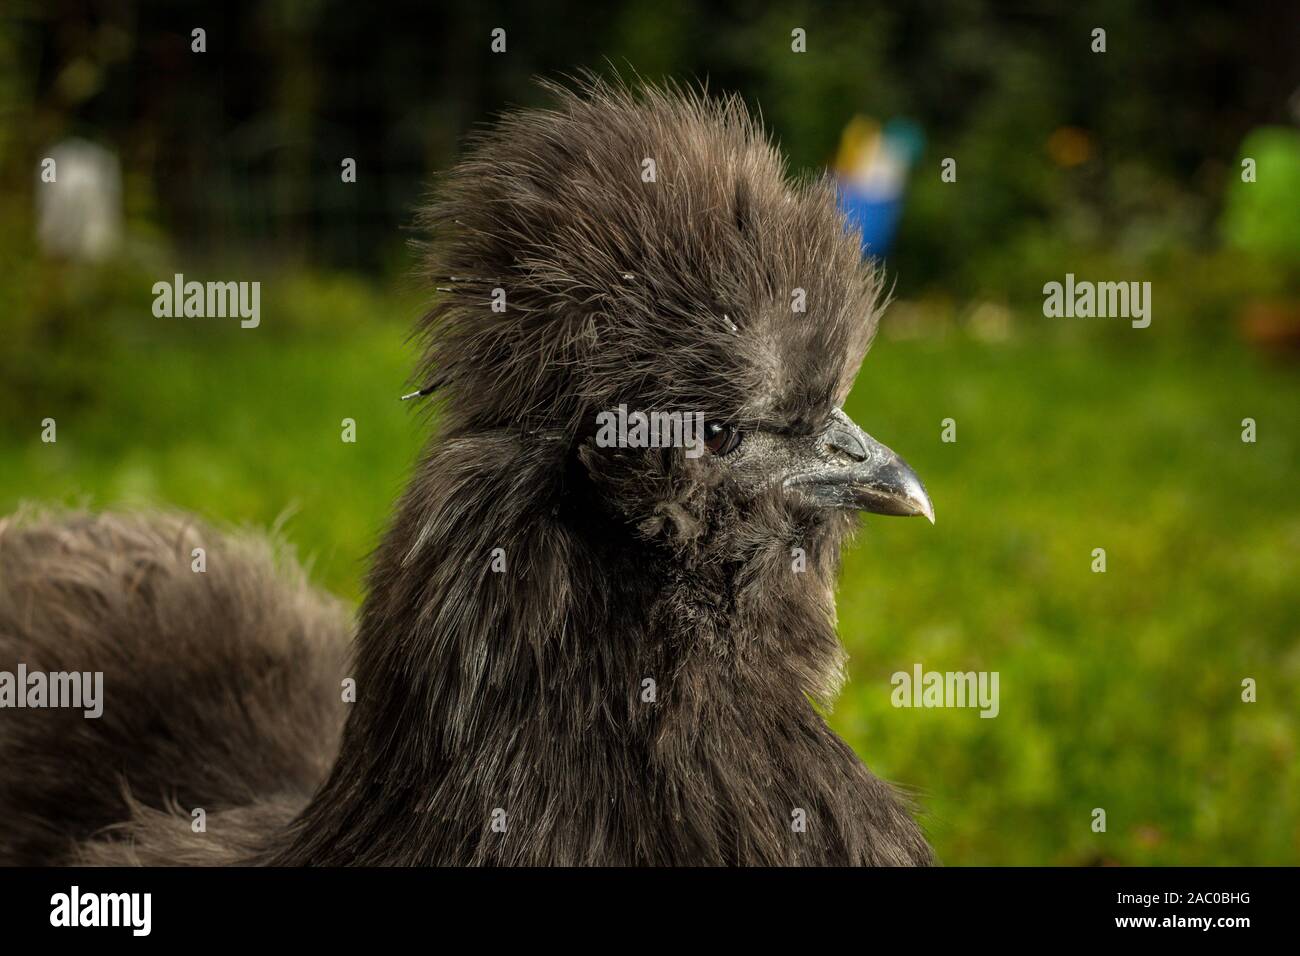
853,470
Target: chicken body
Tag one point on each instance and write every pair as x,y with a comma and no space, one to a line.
221,689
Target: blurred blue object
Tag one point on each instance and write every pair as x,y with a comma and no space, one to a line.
877,218
871,171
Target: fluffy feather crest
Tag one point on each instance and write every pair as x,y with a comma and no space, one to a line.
670,288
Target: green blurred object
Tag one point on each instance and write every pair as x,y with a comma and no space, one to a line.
1263,217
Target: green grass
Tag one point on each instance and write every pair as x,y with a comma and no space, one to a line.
1118,690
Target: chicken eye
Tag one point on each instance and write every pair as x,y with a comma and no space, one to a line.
720,439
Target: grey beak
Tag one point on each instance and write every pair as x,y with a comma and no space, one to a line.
853,470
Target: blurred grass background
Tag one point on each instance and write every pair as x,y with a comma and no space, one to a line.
1118,690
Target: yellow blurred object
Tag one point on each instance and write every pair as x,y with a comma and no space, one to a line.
858,147
1069,146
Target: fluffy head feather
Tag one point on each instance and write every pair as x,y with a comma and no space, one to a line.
673,294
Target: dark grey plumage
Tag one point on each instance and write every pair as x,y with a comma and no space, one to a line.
221,689
522,691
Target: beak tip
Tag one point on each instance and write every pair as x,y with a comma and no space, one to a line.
927,509
914,493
